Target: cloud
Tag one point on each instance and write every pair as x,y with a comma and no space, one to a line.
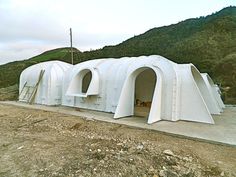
23,50
29,27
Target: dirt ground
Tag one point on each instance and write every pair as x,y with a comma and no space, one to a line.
41,143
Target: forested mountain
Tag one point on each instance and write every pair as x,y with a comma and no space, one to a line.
207,42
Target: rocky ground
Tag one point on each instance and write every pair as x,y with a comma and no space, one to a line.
41,143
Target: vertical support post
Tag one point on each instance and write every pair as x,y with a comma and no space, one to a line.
71,48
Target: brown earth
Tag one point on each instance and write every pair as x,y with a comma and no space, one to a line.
41,143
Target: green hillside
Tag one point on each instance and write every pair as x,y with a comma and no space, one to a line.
13,69
207,42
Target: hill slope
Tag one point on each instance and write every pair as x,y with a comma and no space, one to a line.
10,72
207,42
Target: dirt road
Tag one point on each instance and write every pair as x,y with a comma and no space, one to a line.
41,143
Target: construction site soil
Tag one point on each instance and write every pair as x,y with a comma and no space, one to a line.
42,143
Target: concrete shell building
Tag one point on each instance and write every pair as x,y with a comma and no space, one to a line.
42,83
149,85
214,91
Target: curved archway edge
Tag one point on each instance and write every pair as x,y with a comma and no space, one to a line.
125,105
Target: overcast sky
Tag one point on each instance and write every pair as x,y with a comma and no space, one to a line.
29,27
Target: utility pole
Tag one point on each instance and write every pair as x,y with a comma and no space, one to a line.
71,48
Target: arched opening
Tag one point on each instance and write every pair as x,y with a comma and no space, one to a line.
145,83
86,81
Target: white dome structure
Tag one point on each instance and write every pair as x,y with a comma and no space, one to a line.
168,91
42,83
214,91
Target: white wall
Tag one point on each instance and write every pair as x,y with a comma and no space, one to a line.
179,93
50,88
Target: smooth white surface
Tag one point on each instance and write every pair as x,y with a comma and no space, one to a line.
191,105
174,91
50,88
180,91
214,92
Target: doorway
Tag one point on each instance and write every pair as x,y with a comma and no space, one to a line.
86,81
145,83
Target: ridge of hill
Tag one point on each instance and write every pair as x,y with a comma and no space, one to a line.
207,42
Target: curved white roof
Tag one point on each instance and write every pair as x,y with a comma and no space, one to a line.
174,91
50,67
112,74
112,87
49,90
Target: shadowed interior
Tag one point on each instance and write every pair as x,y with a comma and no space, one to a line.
86,81
144,88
